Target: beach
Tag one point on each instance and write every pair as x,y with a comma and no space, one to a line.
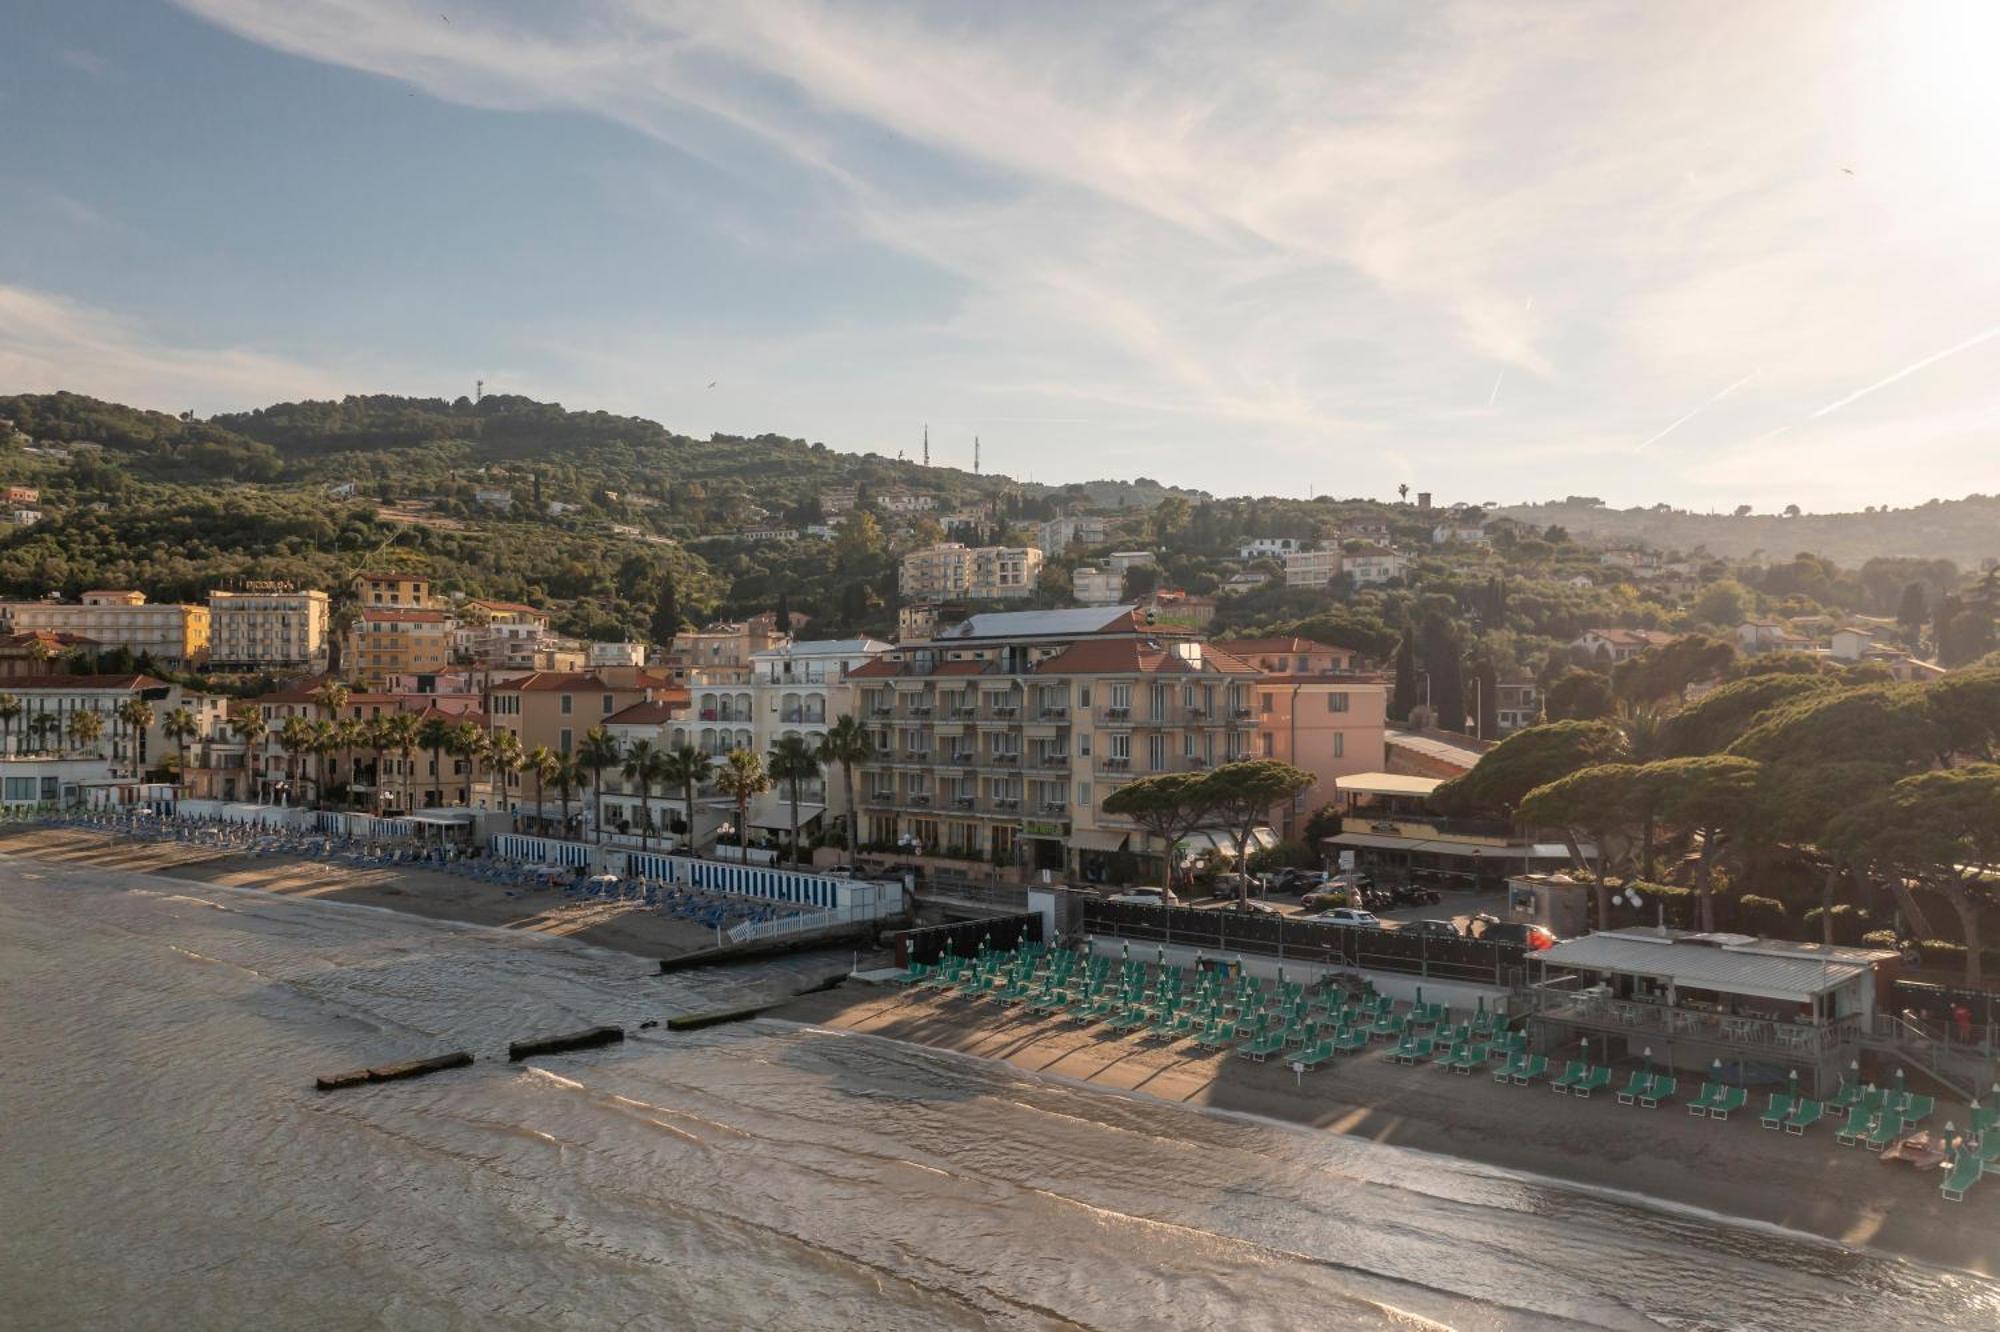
627,927
1416,1139
1736,1168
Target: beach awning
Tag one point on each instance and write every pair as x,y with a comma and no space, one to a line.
1386,783
1747,970
773,810
1103,839
1375,842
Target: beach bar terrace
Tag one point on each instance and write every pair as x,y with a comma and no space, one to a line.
1764,1006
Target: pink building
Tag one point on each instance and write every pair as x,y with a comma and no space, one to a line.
1332,726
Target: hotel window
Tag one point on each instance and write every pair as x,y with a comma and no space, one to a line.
1121,747
566,702
1083,795
1340,744
1156,752
562,744
607,705
1265,703
1269,742
1337,702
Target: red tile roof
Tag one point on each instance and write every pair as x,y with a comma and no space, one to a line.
649,714
402,614
76,682
1245,646
1137,657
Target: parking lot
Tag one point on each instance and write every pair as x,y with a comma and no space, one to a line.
1456,906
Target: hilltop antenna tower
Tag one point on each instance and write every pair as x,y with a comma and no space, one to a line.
478,389
927,445
975,455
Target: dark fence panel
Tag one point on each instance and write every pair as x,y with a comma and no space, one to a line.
963,937
1287,938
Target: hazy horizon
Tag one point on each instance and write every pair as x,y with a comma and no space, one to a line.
1702,257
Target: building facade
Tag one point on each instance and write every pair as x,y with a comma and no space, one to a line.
267,630
1311,568
172,635
1096,587
381,643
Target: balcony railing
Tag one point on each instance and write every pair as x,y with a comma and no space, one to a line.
1055,760
1118,714
1804,1039
1053,714
1004,760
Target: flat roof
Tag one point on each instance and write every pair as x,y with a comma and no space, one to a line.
1387,783
1731,964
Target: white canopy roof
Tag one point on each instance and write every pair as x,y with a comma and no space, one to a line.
1759,968
1387,783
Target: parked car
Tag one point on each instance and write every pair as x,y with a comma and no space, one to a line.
1253,907
1147,897
1352,916
1533,937
838,871
1442,928
1297,880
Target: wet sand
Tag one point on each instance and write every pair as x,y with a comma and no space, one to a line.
627,928
1736,1168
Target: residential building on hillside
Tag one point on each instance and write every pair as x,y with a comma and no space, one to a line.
1239,583
21,516
1755,636
725,646
1096,587
267,628
1083,529
173,635
1000,738
1519,704
614,654
1274,548
902,501
1173,607
1608,646
837,500
385,642
19,495
916,621
1124,561
1471,534
983,573
405,590
1371,566
1311,568
556,708
494,497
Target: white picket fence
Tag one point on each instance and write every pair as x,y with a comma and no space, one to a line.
811,922
541,850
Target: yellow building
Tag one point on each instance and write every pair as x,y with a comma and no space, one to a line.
407,591
267,628
384,643
172,634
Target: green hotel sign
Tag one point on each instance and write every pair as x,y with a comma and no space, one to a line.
1035,828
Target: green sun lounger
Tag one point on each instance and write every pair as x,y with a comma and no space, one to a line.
1446,1052
1219,1036
1573,1073
1917,1111
1703,1099
1597,1079
1731,1100
1414,1048
1858,1125
1804,1115
1317,1055
1130,1020
1351,1041
1536,1067
1886,1130
1468,1058
1664,1088
1847,1097
1635,1086
1989,1150
1407,1045
1270,1043
1776,1109
1965,1172
1512,1064
1986,1117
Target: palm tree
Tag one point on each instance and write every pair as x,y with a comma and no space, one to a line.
434,733
793,760
331,696
403,731
85,727
503,760
376,739
469,741
742,779
10,712
295,737
645,766
686,768
599,751
325,741
179,727
134,716
541,763
351,734
846,743
247,724
570,774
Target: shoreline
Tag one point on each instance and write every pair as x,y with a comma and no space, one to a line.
620,927
1734,1172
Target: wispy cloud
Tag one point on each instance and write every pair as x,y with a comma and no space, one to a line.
1299,234
87,62
1908,370
49,343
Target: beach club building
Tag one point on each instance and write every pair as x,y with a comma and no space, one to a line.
1728,1005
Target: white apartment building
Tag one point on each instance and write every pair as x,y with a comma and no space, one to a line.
1096,587
1274,548
1374,565
1004,573
1311,568
1059,534
267,630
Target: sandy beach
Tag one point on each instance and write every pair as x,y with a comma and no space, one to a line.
1736,1168
628,928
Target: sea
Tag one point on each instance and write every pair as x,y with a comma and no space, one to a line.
166,1163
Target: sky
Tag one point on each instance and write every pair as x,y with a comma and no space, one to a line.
1709,253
